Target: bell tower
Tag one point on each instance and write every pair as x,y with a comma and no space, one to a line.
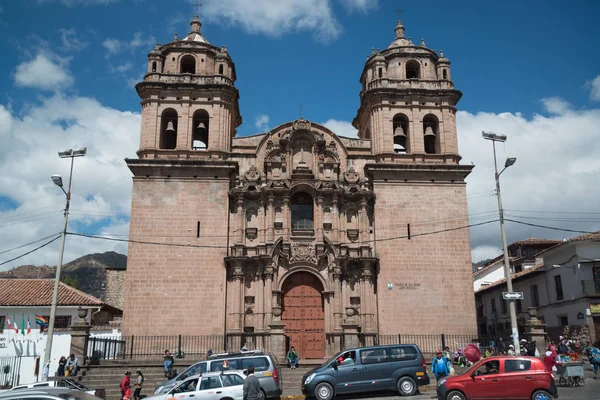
189,100
408,103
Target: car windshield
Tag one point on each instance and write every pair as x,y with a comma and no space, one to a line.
326,363
77,384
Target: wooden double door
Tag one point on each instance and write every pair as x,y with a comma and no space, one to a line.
303,314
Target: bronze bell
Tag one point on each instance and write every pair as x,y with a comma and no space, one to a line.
399,132
429,131
201,126
170,127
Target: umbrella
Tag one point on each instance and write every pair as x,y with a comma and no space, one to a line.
472,353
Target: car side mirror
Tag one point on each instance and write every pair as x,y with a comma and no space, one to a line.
245,372
335,366
472,375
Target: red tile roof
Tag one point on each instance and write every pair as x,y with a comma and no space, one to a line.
38,292
586,236
534,241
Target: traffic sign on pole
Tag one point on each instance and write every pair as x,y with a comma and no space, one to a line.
513,296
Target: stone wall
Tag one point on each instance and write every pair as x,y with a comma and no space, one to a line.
113,295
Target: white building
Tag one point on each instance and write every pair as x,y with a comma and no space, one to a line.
22,351
562,282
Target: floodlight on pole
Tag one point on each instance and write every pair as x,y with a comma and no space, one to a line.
57,179
494,137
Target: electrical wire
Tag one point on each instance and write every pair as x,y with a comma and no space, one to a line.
546,227
27,244
31,251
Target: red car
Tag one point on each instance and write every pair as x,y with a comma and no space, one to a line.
502,377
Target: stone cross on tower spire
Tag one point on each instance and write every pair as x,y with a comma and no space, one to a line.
399,28
196,24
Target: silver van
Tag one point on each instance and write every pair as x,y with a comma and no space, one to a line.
265,368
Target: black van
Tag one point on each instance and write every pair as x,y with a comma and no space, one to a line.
399,367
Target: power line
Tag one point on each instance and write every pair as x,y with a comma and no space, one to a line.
31,251
553,212
27,244
546,227
224,247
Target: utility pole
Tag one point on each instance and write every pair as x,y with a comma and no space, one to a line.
511,302
69,153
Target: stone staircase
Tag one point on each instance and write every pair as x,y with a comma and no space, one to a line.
292,379
109,374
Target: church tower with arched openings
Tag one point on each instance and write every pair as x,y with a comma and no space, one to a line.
296,236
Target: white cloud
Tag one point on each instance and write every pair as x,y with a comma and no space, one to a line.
557,169
341,128
116,46
71,3
101,181
275,18
262,122
556,105
119,69
359,5
70,41
594,86
43,72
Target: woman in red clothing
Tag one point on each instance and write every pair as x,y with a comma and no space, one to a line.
125,384
549,361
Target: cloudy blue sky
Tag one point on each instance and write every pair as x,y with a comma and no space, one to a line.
527,69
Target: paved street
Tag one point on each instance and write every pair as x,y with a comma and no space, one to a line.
591,391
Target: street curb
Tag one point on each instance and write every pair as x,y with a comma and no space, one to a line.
296,397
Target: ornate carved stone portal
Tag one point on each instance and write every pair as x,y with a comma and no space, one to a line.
310,227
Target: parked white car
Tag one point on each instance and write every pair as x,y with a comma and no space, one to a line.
61,383
207,386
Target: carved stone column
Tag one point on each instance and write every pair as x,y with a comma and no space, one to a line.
268,294
287,217
276,326
318,219
363,222
270,216
240,218
368,297
238,298
337,305
335,220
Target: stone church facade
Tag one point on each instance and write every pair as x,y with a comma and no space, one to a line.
298,236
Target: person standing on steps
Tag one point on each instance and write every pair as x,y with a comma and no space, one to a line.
125,384
139,384
168,361
251,386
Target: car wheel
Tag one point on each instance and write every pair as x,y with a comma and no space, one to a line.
263,395
406,386
324,391
540,395
455,395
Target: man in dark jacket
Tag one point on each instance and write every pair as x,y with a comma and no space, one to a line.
251,386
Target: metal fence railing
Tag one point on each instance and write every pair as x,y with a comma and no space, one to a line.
10,368
196,347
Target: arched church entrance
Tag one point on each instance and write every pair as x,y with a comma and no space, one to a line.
303,314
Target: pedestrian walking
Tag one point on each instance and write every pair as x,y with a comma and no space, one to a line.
511,350
251,386
595,358
139,384
549,361
125,384
439,366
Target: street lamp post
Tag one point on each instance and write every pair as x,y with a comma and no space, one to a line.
69,153
511,302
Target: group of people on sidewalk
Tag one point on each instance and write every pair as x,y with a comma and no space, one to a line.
126,386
